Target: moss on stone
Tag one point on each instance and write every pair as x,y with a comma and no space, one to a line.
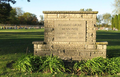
70,12
102,43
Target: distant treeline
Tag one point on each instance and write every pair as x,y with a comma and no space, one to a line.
8,26
17,16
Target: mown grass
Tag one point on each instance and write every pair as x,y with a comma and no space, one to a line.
14,43
113,39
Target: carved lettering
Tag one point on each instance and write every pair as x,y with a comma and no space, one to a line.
69,28
66,31
69,25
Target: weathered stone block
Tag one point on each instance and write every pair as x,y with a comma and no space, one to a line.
104,47
42,53
84,54
76,58
45,16
91,46
99,47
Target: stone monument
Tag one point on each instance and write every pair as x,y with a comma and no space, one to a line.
70,35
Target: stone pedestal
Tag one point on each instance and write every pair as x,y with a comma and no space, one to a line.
72,53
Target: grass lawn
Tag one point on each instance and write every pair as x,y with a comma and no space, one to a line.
14,43
113,39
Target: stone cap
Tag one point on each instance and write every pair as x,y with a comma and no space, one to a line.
102,43
38,42
70,12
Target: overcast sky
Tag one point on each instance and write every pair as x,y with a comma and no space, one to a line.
37,6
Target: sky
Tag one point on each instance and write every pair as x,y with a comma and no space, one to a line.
38,6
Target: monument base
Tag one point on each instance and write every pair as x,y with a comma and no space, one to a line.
67,52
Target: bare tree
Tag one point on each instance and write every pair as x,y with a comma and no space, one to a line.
41,17
107,18
99,19
19,11
116,6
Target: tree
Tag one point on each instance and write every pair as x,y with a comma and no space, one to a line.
19,11
41,17
41,20
99,19
21,20
113,23
116,21
7,1
89,9
116,6
13,17
119,22
4,12
28,19
82,10
107,18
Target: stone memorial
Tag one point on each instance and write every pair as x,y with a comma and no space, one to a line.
70,35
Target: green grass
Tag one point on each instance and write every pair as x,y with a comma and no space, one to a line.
13,44
21,30
113,39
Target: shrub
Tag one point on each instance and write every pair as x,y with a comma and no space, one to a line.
91,67
113,65
99,66
37,62
53,64
28,63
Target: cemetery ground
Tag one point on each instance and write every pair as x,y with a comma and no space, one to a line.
16,43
